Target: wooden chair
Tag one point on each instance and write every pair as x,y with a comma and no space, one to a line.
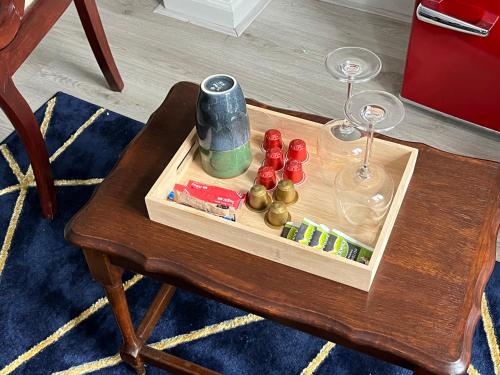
20,33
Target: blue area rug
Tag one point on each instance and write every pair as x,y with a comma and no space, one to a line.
54,318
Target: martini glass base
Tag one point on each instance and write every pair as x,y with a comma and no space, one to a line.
342,133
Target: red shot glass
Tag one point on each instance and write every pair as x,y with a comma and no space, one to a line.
297,150
266,176
274,158
293,171
272,138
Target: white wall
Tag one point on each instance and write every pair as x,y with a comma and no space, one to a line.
399,9
228,16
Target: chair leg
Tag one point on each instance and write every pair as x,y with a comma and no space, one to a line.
19,113
89,15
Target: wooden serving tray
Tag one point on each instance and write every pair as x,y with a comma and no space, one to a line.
316,202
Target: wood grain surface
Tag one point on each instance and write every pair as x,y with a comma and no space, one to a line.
11,14
424,304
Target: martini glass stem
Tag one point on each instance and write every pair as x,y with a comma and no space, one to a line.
346,127
349,90
364,171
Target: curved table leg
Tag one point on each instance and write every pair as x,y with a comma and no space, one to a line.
134,351
110,276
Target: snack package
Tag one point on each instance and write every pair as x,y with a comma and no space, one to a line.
320,237
212,199
289,230
305,232
216,194
342,245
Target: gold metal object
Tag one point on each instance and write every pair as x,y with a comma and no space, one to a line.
277,216
285,192
258,199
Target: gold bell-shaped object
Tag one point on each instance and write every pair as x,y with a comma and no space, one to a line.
285,192
258,199
278,215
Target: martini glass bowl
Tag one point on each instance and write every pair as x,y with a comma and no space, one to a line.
364,190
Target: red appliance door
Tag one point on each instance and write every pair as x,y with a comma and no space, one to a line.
453,62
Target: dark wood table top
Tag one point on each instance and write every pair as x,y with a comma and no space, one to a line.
424,304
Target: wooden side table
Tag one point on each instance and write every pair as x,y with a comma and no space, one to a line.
421,311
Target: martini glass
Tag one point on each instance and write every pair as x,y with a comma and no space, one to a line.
339,140
364,190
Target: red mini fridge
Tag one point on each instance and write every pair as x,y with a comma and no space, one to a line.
453,62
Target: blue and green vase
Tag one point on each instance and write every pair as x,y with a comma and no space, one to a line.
223,128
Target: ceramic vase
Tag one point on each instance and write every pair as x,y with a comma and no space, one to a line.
223,128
